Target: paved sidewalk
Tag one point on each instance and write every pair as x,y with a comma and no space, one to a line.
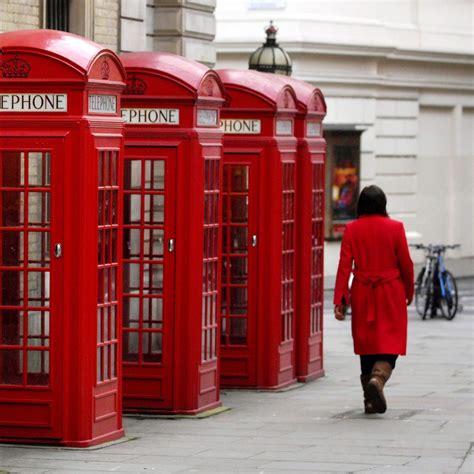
318,427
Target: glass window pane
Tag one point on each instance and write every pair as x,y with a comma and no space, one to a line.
239,270
113,168
239,208
38,209
238,300
11,249
38,249
239,178
11,326
12,167
106,176
36,169
38,328
11,367
38,288
132,211
131,278
152,278
11,288
153,243
133,174
106,323
12,210
130,346
239,239
113,322
155,174
131,312
38,368
154,209
238,331
99,324
152,347
152,313
113,360
105,362
99,364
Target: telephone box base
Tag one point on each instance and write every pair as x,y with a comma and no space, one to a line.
197,412
67,444
311,377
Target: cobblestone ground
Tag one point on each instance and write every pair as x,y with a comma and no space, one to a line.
318,427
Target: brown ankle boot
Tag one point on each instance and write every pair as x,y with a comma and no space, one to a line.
368,407
380,374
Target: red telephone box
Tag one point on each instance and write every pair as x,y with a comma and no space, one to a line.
258,251
173,149
61,140
310,229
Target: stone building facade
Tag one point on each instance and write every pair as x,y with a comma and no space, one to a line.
397,78
185,27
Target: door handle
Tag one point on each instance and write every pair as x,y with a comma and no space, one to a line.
171,245
254,240
58,250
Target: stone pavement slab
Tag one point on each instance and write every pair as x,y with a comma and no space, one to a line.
319,427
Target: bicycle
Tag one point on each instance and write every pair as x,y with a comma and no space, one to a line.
435,287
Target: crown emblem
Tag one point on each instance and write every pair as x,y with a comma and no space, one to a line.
135,86
105,70
15,67
208,87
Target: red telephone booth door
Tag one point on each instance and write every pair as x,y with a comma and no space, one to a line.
30,287
239,271
148,304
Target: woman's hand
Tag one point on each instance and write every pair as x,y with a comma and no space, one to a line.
340,312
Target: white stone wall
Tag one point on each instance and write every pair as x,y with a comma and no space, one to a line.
19,14
106,23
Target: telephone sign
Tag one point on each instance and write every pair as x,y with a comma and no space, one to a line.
33,102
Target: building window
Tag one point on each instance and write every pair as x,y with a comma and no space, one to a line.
57,14
342,180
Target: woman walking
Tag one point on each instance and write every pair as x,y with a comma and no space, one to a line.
374,248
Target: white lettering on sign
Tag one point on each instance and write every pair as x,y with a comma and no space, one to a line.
151,116
102,104
206,117
284,127
241,126
33,102
313,129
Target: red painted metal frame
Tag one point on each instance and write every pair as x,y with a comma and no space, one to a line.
310,224
253,95
187,379
81,404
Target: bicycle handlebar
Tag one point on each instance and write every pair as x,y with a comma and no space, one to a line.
435,248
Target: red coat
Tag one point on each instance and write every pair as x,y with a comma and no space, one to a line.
383,281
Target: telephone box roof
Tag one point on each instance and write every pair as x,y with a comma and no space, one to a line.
255,82
72,49
309,97
186,71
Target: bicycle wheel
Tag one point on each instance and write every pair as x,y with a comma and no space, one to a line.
449,303
421,288
429,298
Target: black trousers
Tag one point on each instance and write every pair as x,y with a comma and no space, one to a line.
367,361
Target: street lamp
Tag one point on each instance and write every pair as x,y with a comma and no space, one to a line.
270,57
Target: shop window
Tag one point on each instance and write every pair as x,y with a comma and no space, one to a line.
342,180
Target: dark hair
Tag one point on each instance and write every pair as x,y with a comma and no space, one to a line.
372,200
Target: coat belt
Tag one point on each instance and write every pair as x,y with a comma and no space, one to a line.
373,280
